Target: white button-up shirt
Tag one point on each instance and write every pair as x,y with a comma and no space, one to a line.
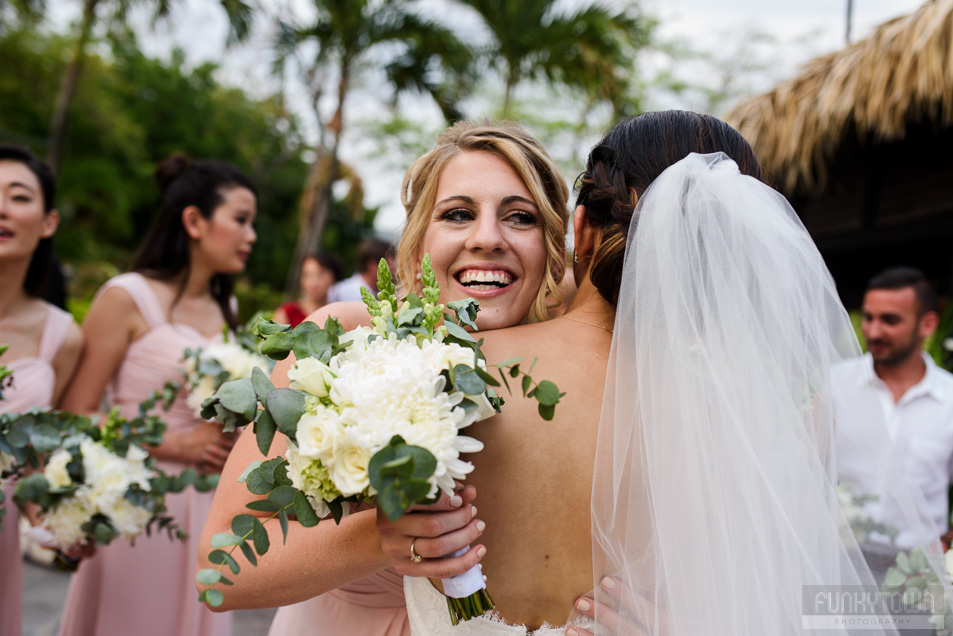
918,443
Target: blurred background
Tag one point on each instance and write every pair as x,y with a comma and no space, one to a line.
848,103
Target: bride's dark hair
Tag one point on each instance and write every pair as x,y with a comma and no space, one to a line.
631,156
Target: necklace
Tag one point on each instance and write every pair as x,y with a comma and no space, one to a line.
591,324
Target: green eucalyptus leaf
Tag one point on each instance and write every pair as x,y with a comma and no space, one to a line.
283,495
19,435
263,505
278,345
267,327
260,481
468,380
458,332
304,327
265,429
208,576
45,438
283,522
547,393
260,537
239,396
304,512
252,466
547,411
221,557
225,539
286,407
249,553
213,597
261,382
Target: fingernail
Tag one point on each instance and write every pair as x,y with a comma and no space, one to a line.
583,605
456,501
571,631
481,551
608,583
481,526
472,511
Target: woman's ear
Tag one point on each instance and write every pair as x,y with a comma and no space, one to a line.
51,220
192,221
586,237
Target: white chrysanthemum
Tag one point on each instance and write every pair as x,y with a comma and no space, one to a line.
55,470
108,476
311,376
320,433
358,337
65,520
127,518
442,356
311,477
393,389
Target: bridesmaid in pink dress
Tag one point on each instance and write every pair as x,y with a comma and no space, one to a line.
178,296
337,579
44,341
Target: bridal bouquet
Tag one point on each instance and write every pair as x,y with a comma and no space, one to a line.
209,368
92,483
373,415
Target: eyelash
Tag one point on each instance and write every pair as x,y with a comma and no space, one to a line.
519,217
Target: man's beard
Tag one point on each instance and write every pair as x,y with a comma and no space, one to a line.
894,355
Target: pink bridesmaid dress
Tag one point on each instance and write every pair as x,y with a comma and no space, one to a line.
148,589
373,606
34,380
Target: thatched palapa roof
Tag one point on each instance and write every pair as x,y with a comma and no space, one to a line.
900,75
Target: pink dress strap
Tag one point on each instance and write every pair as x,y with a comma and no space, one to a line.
136,285
54,332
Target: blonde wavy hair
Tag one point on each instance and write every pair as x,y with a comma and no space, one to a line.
535,168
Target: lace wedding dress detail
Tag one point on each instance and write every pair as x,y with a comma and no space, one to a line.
428,614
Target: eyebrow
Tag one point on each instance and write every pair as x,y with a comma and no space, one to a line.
510,199
22,185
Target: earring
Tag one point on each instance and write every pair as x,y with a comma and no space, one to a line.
575,257
419,275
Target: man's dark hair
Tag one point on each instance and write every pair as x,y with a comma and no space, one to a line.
371,251
901,277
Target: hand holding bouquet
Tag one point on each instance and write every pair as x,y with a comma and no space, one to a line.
373,415
92,484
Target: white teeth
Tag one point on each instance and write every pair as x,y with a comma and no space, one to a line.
473,277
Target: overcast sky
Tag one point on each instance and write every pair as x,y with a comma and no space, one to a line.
797,31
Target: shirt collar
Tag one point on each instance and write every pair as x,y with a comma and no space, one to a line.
927,386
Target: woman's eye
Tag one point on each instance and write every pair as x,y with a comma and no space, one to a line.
22,198
520,217
458,215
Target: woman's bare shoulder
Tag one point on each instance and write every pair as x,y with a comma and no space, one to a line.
350,314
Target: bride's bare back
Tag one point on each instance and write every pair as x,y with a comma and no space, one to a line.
534,478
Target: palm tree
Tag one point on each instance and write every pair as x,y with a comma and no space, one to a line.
591,49
347,36
239,19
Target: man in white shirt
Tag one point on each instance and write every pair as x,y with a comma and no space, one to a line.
369,255
898,383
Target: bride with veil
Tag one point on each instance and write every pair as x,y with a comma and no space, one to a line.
703,499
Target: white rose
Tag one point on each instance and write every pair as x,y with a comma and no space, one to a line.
128,519
55,471
311,376
349,469
319,434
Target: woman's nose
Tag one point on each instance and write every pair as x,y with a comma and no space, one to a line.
487,233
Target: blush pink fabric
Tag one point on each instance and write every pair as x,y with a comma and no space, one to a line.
373,606
34,380
148,589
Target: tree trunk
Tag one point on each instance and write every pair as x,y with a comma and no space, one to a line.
316,198
67,89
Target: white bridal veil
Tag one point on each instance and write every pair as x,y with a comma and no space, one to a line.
714,500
